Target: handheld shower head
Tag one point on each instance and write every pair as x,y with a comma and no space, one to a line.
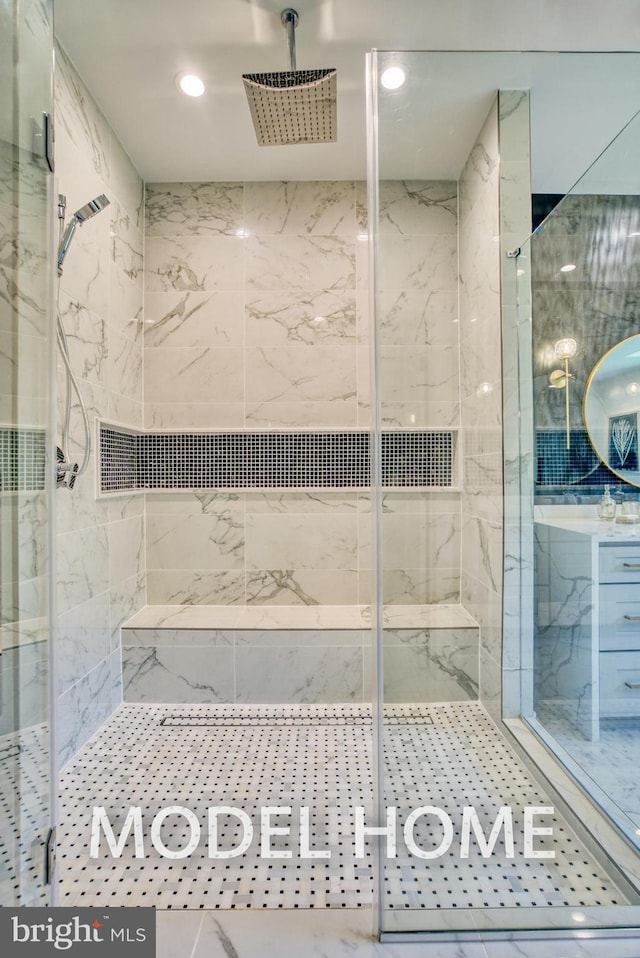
79,217
91,208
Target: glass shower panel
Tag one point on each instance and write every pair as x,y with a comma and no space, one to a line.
26,45
470,838
582,267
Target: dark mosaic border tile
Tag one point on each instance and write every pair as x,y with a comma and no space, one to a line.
273,460
23,459
566,469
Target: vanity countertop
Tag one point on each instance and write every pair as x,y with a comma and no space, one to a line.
583,520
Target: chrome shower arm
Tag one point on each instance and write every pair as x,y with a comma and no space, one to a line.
289,18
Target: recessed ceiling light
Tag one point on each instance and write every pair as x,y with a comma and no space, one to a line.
392,78
568,268
190,84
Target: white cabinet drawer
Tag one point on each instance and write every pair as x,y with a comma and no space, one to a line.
620,563
620,617
619,683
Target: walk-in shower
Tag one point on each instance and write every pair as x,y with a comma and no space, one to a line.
300,588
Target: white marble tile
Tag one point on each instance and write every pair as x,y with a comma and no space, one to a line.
194,503
177,674
124,366
194,209
514,120
320,207
126,549
284,318
204,416
176,932
428,667
420,415
482,550
79,118
300,373
122,409
302,638
30,305
410,317
157,638
198,543
300,501
339,414
195,587
333,933
417,262
413,586
126,305
301,542
126,243
126,597
310,675
299,262
24,677
419,374
82,566
83,640
194,375
126,183
197,263
410,541
302,586
582,945
418,207
215,318
84,707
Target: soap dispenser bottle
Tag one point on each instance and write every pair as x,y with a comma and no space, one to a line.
607,505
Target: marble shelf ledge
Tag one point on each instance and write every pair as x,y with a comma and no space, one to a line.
296,617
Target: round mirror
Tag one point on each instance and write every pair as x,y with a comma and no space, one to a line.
611,408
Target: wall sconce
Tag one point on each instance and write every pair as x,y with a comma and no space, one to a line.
564,349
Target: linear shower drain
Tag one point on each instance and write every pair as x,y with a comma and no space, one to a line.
217,721
248,721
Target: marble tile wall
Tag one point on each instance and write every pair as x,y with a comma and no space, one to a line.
303,666
256,316
515,228
481,412
25,324
100,543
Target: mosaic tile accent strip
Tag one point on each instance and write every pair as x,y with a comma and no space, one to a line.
23,459
443,755
118,460
271,460
567,468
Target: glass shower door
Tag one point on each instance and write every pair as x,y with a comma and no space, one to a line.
471,836
26,45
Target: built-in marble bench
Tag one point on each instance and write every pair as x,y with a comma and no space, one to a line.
297,654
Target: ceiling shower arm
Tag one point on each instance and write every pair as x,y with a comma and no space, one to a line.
289,18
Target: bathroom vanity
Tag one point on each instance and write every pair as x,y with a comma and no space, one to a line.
587,640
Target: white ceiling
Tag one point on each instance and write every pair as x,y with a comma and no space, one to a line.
130,51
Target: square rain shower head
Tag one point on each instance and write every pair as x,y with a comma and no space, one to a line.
295,106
